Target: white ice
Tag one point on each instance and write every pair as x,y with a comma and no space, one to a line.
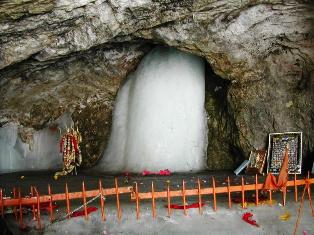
159,120
43,154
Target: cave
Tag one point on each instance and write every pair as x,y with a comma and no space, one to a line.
158,102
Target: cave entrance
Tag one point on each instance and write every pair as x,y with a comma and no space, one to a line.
160,121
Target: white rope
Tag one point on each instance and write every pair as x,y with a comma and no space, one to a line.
80,207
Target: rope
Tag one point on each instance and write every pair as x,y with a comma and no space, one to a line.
78,208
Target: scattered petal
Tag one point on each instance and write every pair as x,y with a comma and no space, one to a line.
285,216
247,217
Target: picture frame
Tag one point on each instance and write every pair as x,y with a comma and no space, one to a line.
277,144
257,161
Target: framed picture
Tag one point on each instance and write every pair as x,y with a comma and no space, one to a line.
277,144
256,162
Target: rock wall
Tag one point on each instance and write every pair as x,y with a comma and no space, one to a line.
67,55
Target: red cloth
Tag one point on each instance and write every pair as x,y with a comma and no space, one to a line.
247,217
161,172
271,182
283,174
181,207
82,213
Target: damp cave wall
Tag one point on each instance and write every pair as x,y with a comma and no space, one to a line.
61,57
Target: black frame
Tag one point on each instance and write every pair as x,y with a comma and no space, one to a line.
276,146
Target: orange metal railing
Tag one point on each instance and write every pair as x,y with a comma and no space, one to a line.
17,202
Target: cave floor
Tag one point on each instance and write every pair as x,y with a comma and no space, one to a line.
222,221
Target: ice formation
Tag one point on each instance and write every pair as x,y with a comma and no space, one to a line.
42,154
159,120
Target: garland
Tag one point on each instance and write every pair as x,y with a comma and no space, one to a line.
70,150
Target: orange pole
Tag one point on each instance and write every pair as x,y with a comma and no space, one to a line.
229,193
102,202
310,199
67,200
256,191
14,209
50,203
214,194
295,188
284,195
309,192
270,198
153,200
299,212
33,205
183,197
20,208
38,209
84,200
2,207
243,192
199,196
168,199
137,202
118,199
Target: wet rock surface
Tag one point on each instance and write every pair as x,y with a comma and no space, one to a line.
71,56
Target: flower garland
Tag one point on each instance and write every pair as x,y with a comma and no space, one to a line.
70,150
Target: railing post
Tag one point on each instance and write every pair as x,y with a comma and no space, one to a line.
270,197
199,196
20,209
38,209
84,200
67,200
118,199
295,188
14,208
284,195
50,203
183,197
214,194
229,193
137,202
168,199
256,191
102,202
243,192
153,200
33,205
